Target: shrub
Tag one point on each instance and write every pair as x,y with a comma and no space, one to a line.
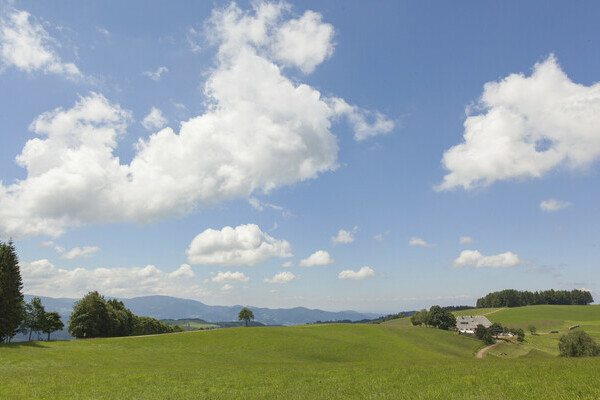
577,344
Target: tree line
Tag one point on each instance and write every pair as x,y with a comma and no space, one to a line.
436,317
92,316
516,298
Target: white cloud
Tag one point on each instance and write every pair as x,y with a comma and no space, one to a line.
103,31
260,206
465,240
77,252
320,257
48,243
154,120
380,237
304,43
529,126
26,45
230,277
261,131
552,205
344,236
226,287
239,246
365,123
44,279
416,241
473,258
287,264
363,273
155,75
281,277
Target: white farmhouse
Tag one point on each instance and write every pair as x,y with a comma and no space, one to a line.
468,323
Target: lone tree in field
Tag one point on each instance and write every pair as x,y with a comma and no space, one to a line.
11,296
245,315
577,344
51,323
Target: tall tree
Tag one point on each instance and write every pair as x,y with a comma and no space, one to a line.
11,295
245,315
34,316
52,323
89,317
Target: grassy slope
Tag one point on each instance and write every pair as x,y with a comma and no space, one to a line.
546,318
392,360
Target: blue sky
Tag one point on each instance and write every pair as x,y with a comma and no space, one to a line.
321,154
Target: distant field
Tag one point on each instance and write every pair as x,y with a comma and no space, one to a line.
391,360
476,311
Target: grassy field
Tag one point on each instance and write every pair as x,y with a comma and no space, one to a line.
392,360
546,318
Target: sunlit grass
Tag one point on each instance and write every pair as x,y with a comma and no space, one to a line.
388,361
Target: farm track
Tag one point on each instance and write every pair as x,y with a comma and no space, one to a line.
481,353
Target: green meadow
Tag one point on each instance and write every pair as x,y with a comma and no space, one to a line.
392,360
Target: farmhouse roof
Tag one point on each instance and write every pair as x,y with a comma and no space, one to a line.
470,322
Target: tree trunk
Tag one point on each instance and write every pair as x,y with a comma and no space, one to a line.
48,335
246,323
30,331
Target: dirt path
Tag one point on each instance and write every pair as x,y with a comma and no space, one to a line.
491,312
481,353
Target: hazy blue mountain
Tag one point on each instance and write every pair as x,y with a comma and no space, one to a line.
162,307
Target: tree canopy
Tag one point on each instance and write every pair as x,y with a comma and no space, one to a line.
11,295
94,316
515,298
577,344
245,315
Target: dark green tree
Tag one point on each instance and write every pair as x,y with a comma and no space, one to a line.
11,295
52,323
495,329
419,318
89,317
577,344
245,315
121,321
34,316
440,318
519,333
532,329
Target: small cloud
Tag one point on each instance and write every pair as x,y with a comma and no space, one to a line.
344,236
229,276
416,241
103,31
287,264
473,258
465,240
47,244
363,273
154,120
553,205
155,75
320,257
226,287
281,277
77,252
261,206
380,237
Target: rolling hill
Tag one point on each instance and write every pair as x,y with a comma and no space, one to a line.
391,360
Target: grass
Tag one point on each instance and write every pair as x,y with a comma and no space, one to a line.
392,360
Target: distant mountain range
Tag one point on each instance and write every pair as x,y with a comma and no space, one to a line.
165,307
